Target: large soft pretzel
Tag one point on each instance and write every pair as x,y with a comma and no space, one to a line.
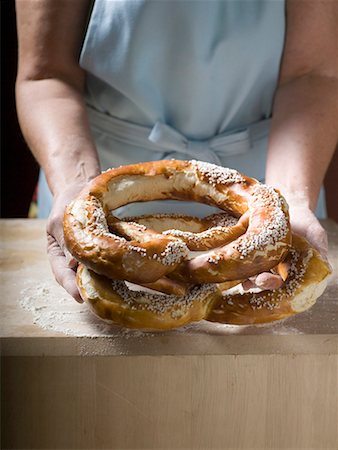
263,229
303,269
153,251
114,302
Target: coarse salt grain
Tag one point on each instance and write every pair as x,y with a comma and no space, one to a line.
272,230
271,299
174,252
217,174
162,303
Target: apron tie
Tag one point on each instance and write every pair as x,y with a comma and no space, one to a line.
164,138
171,140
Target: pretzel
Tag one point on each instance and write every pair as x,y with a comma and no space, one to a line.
115,303
306,281
265,220
198,234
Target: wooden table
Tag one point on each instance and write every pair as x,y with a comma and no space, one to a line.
206,387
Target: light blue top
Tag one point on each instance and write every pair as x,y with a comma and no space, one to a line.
183,79
202,67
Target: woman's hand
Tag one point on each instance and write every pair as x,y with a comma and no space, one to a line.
305,223
62,263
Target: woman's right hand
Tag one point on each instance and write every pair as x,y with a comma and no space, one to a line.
62,263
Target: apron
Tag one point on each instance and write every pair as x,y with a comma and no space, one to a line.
183,79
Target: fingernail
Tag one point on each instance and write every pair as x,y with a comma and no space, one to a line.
78,299
71,261
72,290
269,281
247,284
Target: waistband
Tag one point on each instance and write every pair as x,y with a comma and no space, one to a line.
164,138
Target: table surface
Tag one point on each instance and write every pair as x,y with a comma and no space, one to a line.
31,301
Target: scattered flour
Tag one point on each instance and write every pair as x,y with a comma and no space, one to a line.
54,310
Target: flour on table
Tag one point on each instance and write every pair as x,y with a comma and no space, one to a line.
54,310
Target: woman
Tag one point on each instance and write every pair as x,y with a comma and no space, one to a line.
179,79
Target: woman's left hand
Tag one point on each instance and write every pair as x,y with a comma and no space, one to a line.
304,222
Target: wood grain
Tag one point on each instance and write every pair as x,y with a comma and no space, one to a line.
170,402
23,258
210,387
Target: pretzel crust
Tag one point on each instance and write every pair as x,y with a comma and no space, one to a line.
198,234
113,302
306,281
264,244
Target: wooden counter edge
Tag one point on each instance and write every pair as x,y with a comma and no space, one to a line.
172,346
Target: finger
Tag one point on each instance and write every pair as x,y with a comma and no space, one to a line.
54,233
63,274
248,284
71,261
268,281
55,229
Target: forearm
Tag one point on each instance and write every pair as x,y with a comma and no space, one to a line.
53,119
303,137
49,89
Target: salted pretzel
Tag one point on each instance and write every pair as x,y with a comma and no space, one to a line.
198,234
114,302
263,229
306,281
159,252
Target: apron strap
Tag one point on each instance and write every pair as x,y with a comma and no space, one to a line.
163,137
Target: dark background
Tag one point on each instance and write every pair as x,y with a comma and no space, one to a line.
19,171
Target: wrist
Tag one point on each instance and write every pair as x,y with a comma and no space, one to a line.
73,177
297,197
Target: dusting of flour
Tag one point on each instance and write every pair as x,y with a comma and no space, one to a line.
54,310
